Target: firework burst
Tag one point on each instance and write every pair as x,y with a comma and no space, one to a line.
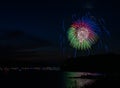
82,34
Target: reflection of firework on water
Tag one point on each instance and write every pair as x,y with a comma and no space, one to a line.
76,79
79,83
82,34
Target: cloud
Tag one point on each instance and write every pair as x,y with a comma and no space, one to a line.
18,39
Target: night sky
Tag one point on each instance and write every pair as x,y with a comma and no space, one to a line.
37,25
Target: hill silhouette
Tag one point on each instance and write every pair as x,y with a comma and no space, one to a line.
95,63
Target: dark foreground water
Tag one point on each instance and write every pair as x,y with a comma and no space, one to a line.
56,79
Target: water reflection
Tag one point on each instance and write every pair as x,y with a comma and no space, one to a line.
80,79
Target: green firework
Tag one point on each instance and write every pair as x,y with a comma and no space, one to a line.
74,41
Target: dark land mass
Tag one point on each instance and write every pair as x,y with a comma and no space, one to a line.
95,63
102,63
